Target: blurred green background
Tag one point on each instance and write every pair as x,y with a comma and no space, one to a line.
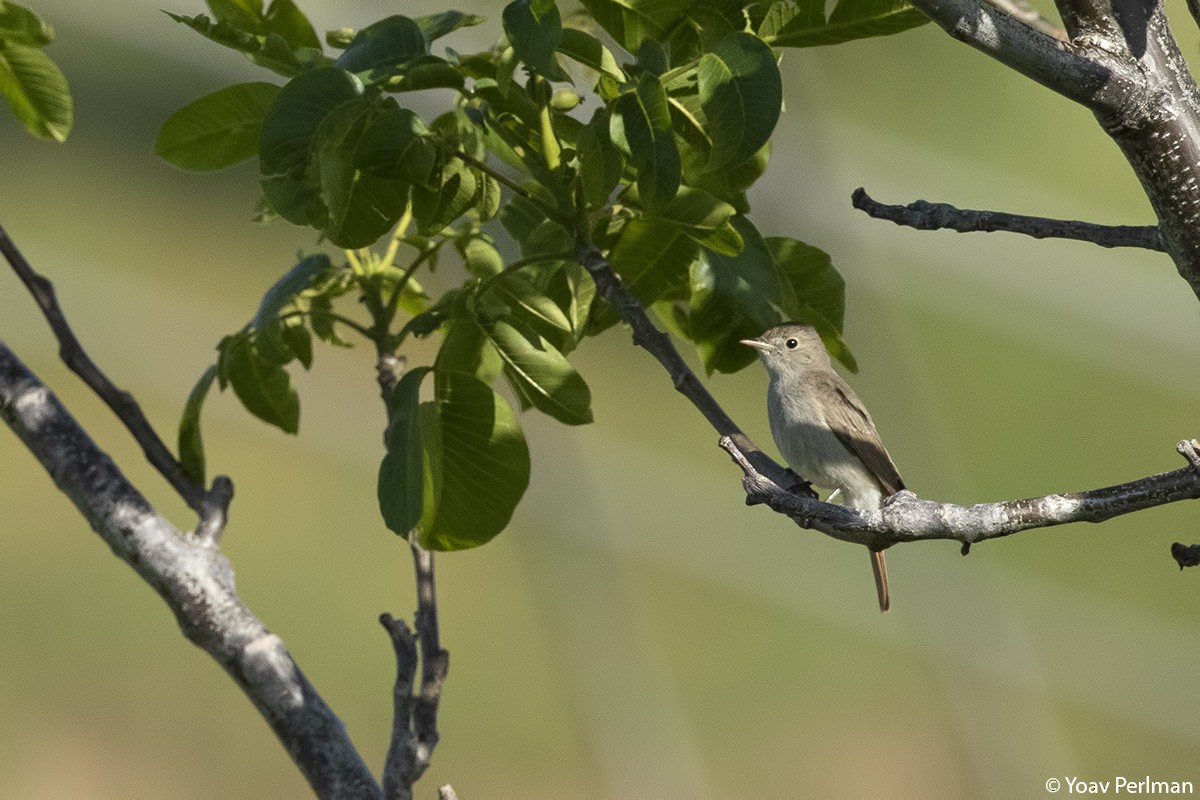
637,632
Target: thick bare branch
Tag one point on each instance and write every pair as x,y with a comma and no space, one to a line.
193,577
1024,12
908,518
1123,63
121,402
927,216
1046,59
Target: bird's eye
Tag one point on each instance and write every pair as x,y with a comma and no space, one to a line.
792,344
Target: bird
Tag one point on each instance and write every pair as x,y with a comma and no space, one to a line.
822,429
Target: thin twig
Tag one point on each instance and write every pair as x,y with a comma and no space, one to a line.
394,299
435,661
398,767
79,362
414,722
927,216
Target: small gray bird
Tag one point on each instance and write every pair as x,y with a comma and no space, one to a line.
822,429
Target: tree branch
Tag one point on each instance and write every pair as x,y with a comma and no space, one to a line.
905,517
659,345
926,216
414,724
1123,63
193,577
908,518
414,718
1058,65
1023,12
121,402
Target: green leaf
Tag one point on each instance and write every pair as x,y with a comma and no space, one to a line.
737,297
731,184
810,271
264,47
297,339
653,259
541,374
534,29
522,299
741,94
365,156
219,129
264,388
830,335
803,24
402,471
283,19
19,25
284,290
631,22
389,42
246,14
520,217
191,445
572,288
286,19
458,192
480,255
435,26
705,219
468,350
423,72
600,162
478,463
36,91
642,127
580,46
287,139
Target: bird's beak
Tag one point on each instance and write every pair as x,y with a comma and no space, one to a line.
757,344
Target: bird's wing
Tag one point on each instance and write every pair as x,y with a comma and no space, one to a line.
855,429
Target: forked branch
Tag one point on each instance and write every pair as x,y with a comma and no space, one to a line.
926,216
212,508
193,578
906,518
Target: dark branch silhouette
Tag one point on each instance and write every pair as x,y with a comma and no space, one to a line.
210,508
926,216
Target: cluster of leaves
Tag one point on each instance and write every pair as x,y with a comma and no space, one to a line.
32,84
655,175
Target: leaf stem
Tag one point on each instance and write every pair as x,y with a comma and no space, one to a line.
393,300
338,318
401,228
